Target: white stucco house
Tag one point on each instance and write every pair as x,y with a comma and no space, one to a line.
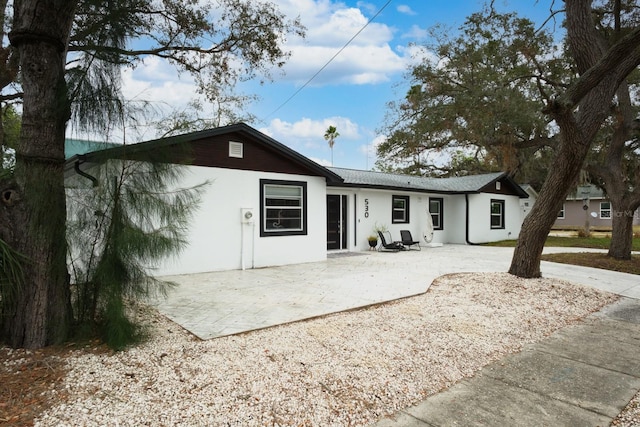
268,205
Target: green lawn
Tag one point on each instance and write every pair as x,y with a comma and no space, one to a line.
596,260
573,242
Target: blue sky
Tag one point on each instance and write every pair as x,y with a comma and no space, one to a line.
352,92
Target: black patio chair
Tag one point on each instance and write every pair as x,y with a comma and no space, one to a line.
387,243
407,240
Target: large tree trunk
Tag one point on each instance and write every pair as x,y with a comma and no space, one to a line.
563,173
34,204
601,73
620,181
622,233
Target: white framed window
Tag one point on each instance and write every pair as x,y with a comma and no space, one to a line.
497,214
400,210
561,213
436,210
283,208
605,210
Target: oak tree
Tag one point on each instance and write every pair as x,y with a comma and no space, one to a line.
579,112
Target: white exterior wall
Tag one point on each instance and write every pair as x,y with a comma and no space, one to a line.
455,218
480,230
367,208
218,238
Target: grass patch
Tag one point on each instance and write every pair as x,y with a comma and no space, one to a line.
572,242
597,260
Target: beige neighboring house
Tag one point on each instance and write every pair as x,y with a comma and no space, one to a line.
588,205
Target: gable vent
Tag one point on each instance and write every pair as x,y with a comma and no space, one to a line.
235,149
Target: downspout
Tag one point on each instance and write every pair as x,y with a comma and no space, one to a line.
466,229
76,168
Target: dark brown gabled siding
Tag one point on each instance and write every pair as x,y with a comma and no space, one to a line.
505,188
214,152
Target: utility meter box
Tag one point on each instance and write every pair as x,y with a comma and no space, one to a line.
247,215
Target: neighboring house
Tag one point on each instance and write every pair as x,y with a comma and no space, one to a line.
268,205
527,204
588,204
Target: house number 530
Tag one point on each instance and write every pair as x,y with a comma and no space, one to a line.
366,208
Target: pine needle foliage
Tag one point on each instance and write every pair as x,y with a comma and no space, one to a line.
11,263
135,218
11,275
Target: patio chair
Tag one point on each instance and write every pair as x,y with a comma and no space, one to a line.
407,240
387,243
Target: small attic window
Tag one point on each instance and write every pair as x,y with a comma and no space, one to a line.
497,185
235,149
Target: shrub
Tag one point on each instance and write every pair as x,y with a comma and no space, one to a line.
582,232
116,231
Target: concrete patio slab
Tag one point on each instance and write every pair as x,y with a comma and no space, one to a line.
229,302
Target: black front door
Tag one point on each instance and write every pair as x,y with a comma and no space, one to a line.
336,222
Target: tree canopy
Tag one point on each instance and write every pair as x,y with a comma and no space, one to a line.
217,42
475,98
480,101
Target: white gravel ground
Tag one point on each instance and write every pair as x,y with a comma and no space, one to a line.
347,369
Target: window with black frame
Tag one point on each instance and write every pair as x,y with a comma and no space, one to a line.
400,209
283,206
436,209
497,214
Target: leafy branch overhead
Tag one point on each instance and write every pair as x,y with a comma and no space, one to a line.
218,42
476,94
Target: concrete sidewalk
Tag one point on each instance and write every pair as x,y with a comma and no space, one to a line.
582,375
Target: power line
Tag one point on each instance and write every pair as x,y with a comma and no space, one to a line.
327,63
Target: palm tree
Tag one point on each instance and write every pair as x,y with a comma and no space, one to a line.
330,135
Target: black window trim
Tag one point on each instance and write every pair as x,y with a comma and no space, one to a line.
406,209
440,201
303,185
491,214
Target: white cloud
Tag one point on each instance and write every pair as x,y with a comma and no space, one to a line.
403,8
307,137
368,7
356,65
368,59
323,162
157,82
416,33
369,150
416,54
306,129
